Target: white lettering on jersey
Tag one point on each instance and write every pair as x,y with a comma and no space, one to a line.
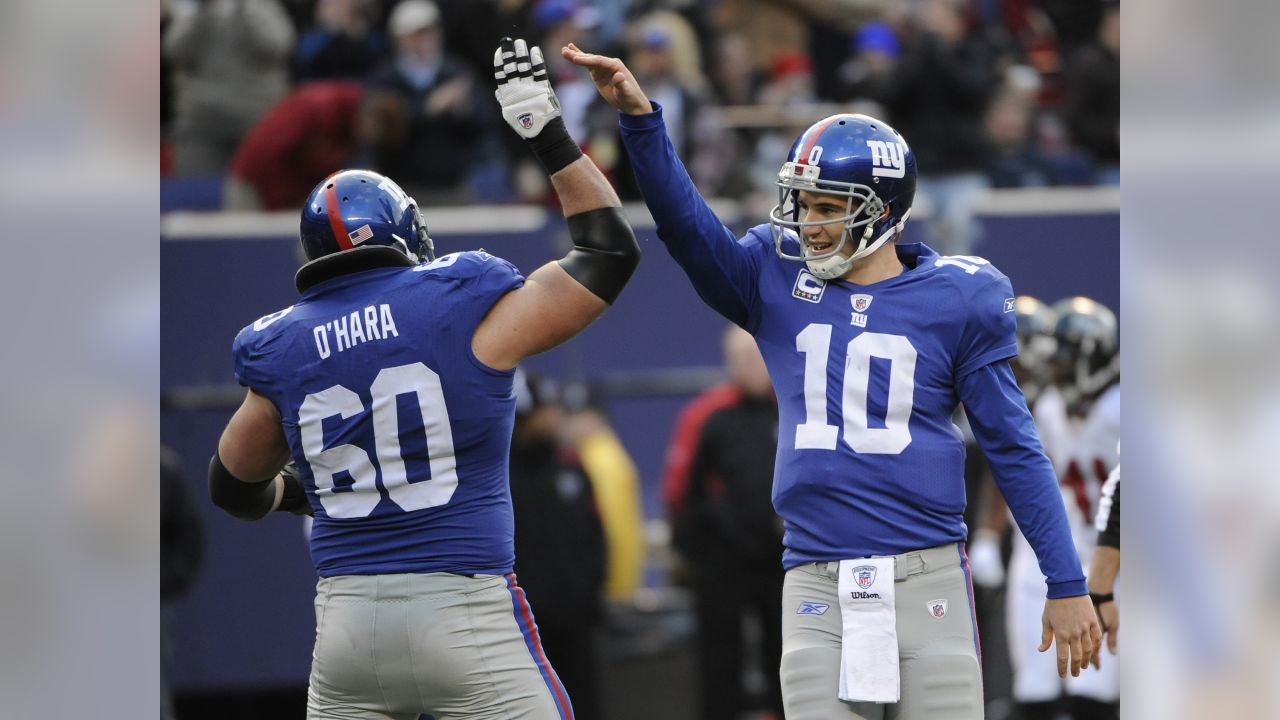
443,261
371,322
388,323
357,329
361,326
322,341
888,158
265,321
969,263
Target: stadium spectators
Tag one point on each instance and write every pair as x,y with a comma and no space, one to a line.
304,138
937,96
428,118
232,58
1093,97
344,42
939,69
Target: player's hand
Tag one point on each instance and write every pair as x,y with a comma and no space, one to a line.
612,78
1072,624
527,100
293,499
1109,616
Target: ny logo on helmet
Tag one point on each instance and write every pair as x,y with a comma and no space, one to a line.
887,158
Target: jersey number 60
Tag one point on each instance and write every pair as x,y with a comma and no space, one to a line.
815,434
359,495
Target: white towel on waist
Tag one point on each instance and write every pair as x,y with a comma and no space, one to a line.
869,645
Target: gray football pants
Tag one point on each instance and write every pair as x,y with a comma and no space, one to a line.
391,647
939,657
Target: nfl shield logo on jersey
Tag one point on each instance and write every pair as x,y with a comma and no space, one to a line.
861,302
937,608
864,575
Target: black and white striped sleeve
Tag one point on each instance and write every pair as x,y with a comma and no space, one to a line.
1108,519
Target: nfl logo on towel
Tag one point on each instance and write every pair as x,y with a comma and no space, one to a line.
864,575
937,608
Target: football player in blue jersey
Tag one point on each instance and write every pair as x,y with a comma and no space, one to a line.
389,385
870,344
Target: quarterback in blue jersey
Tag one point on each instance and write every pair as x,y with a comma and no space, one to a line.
388,384
871,345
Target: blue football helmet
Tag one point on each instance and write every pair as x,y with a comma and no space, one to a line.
353,209
857,157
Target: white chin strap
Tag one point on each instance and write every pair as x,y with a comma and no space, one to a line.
835,265
830,268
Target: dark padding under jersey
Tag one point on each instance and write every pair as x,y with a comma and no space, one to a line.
605,252
245,500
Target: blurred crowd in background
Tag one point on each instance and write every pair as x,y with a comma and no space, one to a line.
272,95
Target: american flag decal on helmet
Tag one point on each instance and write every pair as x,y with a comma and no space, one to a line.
361,234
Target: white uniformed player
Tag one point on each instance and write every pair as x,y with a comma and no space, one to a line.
1079,421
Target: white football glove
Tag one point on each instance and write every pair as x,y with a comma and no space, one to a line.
527,100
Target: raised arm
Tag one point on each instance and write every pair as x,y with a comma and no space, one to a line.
722,269
560,298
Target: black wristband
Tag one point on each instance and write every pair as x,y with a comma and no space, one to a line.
554,148
1100,598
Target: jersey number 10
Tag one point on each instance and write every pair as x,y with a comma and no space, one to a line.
815,434
361,496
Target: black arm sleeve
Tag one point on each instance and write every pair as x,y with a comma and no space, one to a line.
604,253
245,500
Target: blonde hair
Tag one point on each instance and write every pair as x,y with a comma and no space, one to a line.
686,58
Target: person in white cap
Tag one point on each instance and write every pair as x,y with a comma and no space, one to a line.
424,112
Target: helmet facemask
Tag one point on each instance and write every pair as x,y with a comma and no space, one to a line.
419,247
862,225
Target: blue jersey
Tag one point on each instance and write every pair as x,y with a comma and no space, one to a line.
402,435
868,379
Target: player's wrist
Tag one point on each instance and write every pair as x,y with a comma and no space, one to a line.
1101,598
293,498
554,147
